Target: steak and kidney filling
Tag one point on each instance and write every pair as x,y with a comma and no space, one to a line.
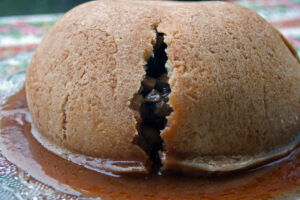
152,101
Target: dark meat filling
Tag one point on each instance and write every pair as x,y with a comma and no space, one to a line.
152,101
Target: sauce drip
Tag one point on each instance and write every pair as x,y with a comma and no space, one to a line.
19,146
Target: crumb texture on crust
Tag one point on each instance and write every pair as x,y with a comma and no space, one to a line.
235,82
83,75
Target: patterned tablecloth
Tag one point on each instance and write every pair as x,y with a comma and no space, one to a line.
20,35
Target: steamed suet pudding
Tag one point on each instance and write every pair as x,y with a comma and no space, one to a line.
197,86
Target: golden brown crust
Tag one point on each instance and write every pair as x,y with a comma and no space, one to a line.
83,75
235,83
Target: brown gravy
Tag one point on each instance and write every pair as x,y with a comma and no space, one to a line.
21,148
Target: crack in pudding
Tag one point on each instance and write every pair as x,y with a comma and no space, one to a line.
152,102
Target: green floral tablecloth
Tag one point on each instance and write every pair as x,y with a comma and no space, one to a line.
20,35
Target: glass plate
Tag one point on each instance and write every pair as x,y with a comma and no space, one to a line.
14,182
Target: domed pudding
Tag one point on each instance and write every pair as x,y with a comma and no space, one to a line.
204,86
